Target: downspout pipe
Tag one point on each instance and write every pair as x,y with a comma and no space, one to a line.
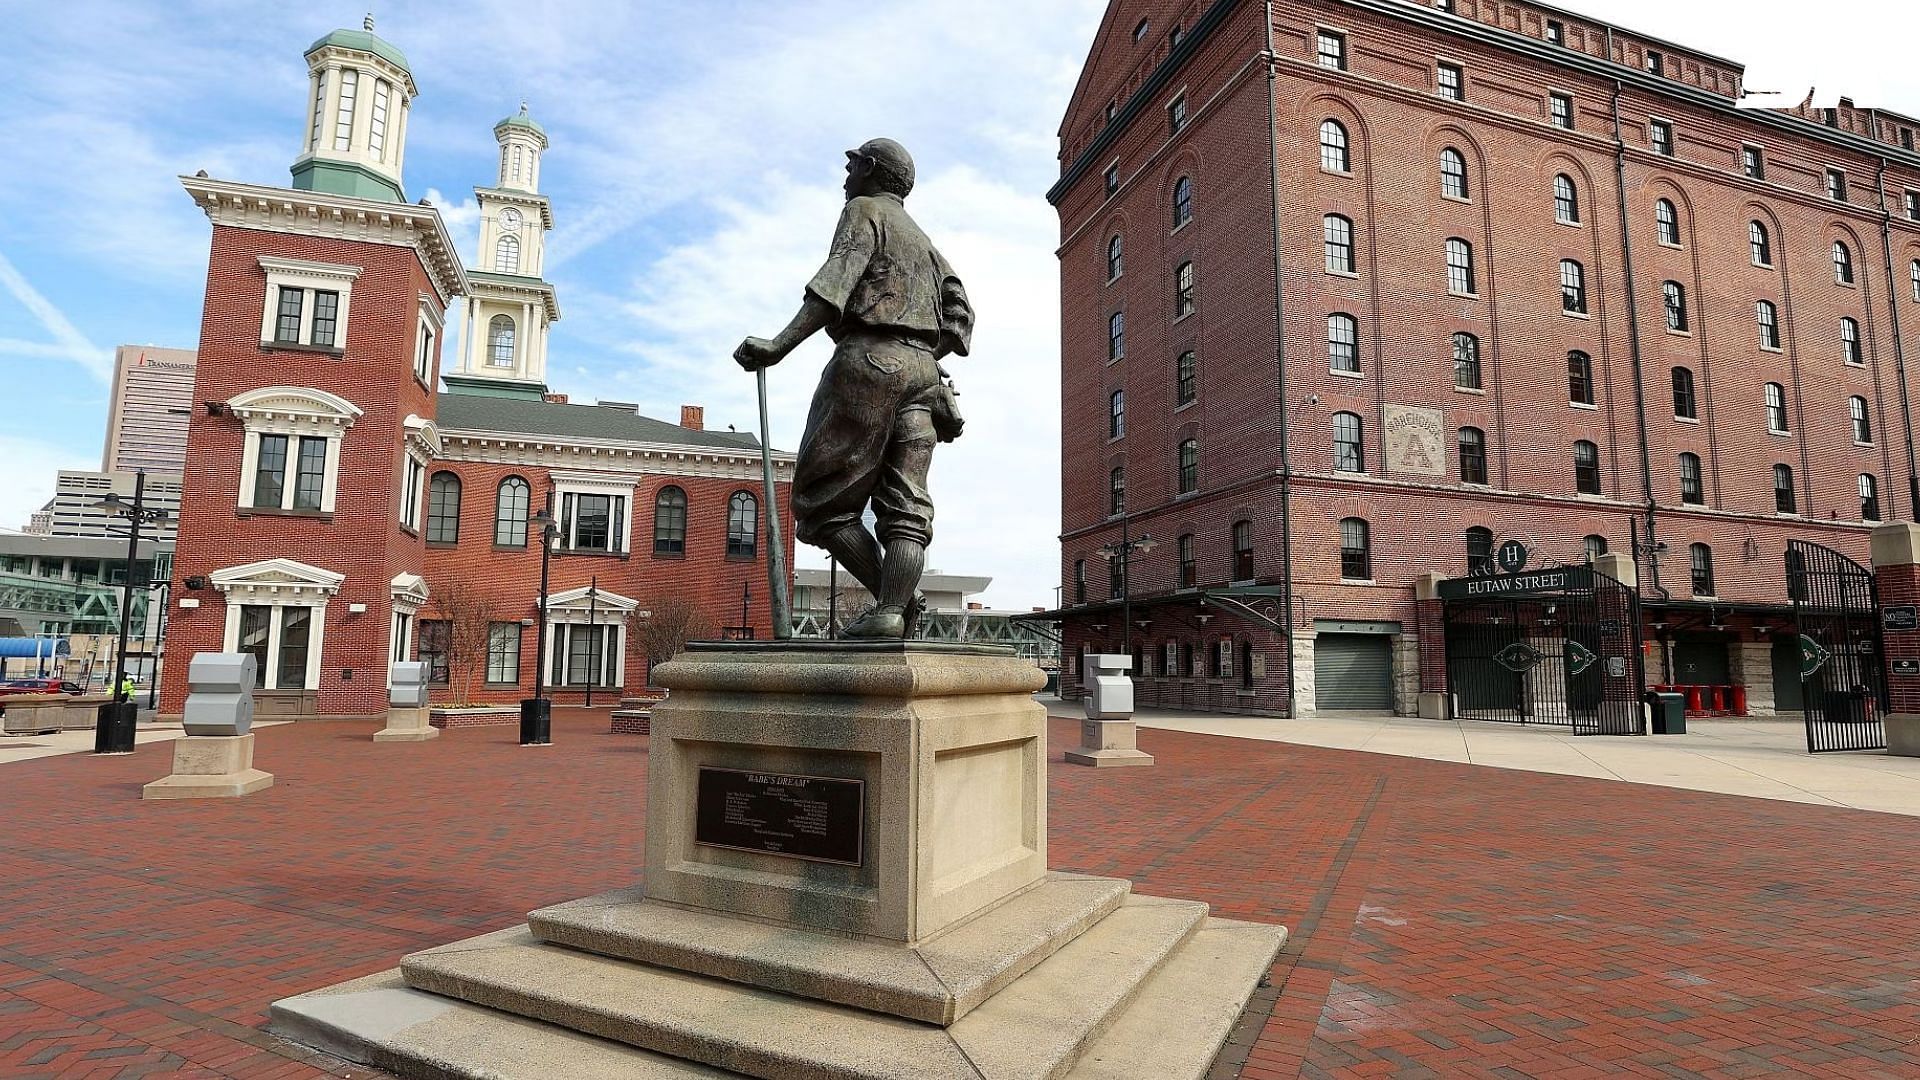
1280,363
1633,341
1899,339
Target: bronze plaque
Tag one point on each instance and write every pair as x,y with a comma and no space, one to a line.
802,817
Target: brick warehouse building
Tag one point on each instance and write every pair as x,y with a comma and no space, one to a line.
1529,276
334,502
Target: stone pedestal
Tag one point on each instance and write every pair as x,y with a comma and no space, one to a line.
1433,706
210,767
1903,734
406,724
1106,744
845,877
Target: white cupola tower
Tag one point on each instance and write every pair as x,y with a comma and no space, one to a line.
359,95
503,351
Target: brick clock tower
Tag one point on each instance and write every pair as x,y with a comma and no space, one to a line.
308,453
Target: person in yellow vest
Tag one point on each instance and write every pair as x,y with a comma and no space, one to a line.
126,688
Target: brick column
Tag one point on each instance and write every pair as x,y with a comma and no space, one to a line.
1896,569
1431,704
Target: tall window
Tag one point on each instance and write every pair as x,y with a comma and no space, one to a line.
326,317
1451,82
1189,463
1776,408
377,130
1356,550
1862,426
1182,201
270,472
434,640
1836,185
1566,200
670,522
1842,264
585,655
1850,342
1184,550
1116,261
1111,178
510,513
1339,244
1573,287
1334,156
1348,454
1666,222
1473,456
1595,545
286,318
1869,498
1479,550
1176,114
1117,491
1768,317
1343,343
1556,32
1466,361
296,632
1243,551
1758,244
1579,378
1753,162
319,110
1186,379
1561,108
443,508
1079,581
1692,490
343,115
1913,273
1586,468
593,522
310,473
1332,50
1453,174
1700,564
500,341
503,652
1660,134
1684,405
743,525
1183,290
1117,335
1783,495
1675,296
1459,267
1913,199
423,353
1117,415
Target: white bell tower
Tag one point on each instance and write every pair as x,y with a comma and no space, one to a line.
359,95
503,351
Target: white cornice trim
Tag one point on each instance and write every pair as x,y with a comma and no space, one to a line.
481,289
562,452
305,268
523,198
343,217
294,403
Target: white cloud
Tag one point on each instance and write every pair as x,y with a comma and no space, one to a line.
68,342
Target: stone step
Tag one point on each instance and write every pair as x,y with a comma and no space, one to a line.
1035,1028
938,981
1175,1024
377,1021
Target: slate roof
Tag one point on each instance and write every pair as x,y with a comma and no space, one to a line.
517,416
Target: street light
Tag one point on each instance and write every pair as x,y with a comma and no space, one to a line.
1123,550
536,712
113,725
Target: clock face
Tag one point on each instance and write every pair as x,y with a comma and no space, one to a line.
510,220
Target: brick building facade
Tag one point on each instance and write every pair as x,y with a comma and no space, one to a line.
335,505
1354,291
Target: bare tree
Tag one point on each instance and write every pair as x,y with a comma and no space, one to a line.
671,623
469,616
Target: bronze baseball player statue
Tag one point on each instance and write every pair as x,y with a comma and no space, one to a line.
893,308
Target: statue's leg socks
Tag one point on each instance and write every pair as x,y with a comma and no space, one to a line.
858,553
906,560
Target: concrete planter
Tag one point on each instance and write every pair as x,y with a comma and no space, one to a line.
37,714
477,716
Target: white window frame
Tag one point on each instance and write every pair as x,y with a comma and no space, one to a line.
279,584
309,277
291,411
421,447
620,486
571,608
426,346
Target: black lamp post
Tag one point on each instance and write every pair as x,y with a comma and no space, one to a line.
536,712
1123,550
113,724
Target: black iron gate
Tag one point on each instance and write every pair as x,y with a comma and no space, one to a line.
1558,646
1842,679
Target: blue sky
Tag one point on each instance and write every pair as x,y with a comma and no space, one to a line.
695,174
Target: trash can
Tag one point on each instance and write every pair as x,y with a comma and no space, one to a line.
1669,713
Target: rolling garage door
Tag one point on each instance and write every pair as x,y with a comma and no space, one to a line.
1353,671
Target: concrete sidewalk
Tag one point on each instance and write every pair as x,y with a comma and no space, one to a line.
32,747
1760,757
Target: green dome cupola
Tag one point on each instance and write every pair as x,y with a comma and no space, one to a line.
360,95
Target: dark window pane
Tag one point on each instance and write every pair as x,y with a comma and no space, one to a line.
270,472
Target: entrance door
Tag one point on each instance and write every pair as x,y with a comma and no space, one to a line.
1787,696
1702,661
1353,671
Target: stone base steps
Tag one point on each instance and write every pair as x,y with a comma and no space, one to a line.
1073,979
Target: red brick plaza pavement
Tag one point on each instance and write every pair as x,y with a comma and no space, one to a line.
1447,920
